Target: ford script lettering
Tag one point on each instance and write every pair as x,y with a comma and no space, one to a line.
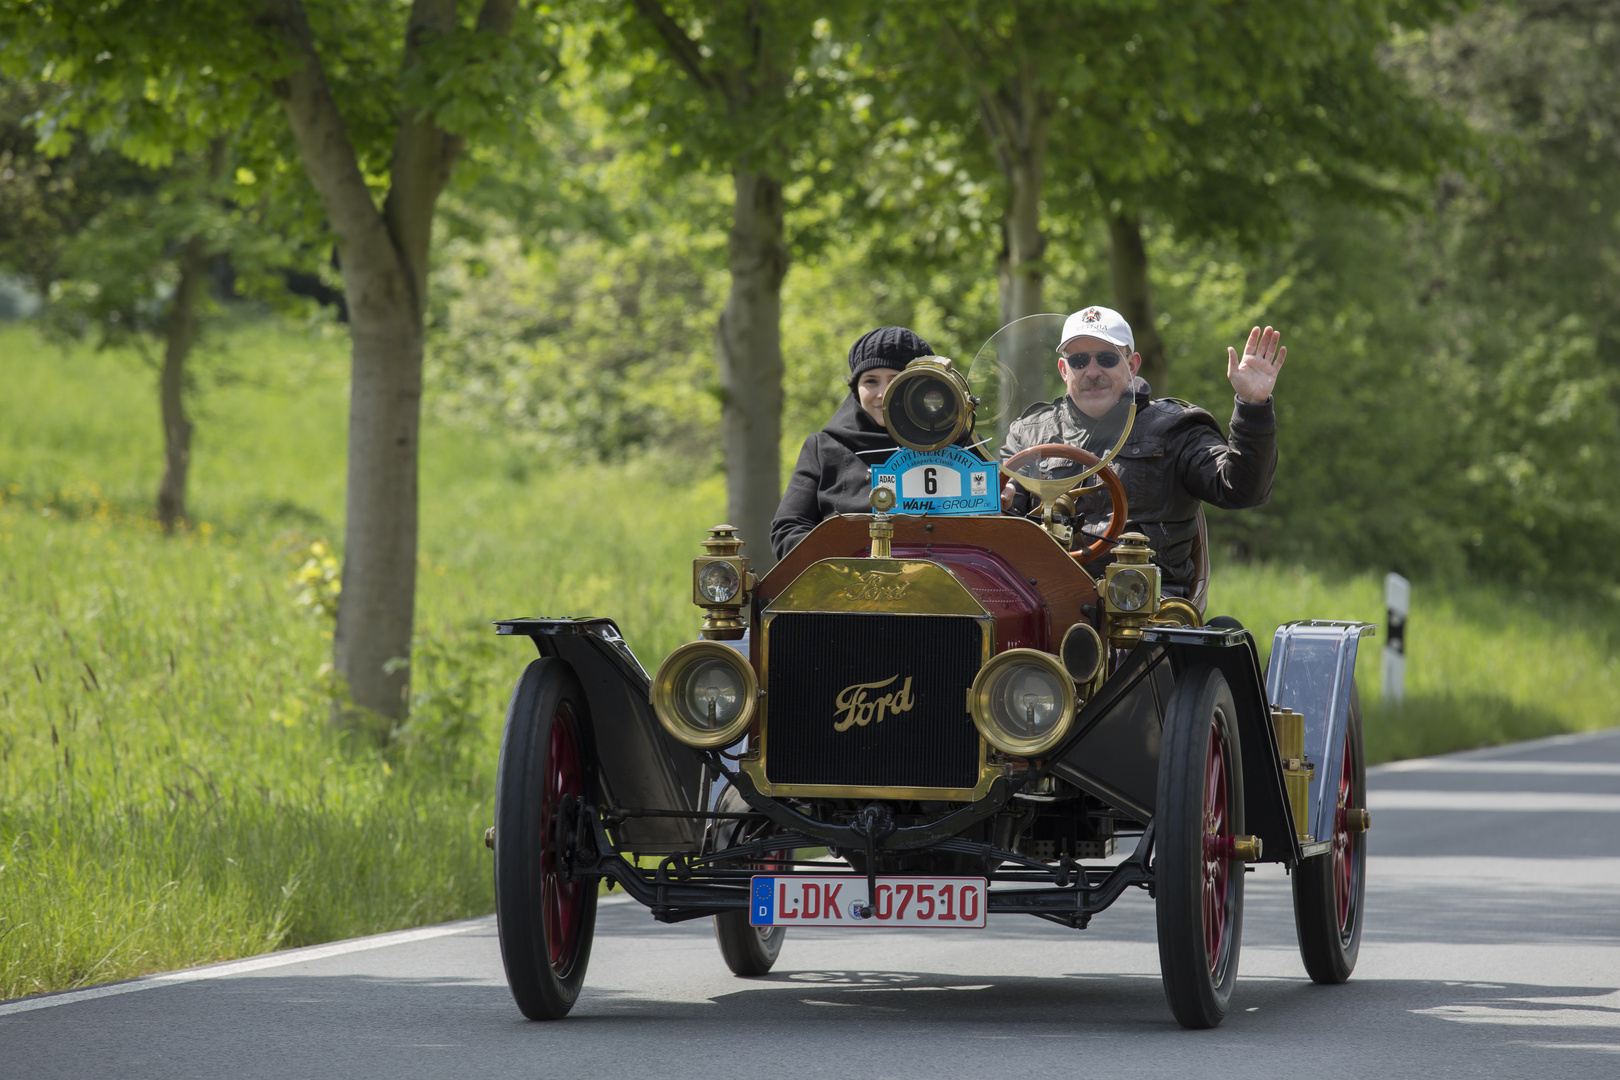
860,704
876,585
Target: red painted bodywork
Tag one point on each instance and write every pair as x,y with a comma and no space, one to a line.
1023,578
1021,615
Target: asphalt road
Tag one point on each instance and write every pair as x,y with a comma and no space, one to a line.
1492,948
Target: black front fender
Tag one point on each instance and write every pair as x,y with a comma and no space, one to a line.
638,763
1114,750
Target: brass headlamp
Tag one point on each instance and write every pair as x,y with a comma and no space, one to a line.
721,582
1023,702
928,405
1131,590
704,694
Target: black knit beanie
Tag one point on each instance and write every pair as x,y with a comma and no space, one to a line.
887,346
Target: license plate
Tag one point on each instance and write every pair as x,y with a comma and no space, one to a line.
808,900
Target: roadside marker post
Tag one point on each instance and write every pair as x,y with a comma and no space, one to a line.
1397,604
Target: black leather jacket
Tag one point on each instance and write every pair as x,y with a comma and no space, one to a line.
1174,458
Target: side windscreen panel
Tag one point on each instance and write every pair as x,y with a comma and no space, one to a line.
1313,665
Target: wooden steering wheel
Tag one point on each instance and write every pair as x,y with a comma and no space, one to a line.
1050,491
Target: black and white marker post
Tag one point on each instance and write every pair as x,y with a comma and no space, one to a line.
1397,601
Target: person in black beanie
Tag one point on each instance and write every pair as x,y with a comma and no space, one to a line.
833,475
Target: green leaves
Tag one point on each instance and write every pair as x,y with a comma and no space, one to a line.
481,84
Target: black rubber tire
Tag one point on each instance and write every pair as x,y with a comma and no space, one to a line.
526,844
1328,945
749,951
1197,986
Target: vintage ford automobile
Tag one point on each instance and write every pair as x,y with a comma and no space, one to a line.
945,701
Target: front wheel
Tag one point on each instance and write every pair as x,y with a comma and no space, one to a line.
545,919
748,950
1329,889
1198,887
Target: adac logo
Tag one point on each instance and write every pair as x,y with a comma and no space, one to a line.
876,585
1091,315
854,707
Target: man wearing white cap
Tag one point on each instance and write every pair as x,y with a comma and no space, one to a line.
1175,455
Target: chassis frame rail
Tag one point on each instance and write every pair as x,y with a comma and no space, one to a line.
681,888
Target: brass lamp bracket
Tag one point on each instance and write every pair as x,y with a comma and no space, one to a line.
881,530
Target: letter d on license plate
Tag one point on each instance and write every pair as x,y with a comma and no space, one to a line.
808,900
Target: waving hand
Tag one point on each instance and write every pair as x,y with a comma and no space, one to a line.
1255,372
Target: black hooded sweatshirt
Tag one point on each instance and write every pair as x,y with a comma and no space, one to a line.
833,476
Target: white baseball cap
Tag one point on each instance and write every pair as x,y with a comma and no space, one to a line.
1098,322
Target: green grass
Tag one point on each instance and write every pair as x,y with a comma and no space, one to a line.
170,793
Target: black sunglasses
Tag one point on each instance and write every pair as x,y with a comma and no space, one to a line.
1079,361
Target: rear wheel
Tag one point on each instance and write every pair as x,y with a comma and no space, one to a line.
1329,889
749,951
545,919
1198,887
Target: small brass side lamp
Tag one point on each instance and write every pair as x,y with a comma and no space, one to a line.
721,583
1131,589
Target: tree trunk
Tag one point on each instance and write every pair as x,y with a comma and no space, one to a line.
1017,120
384,257
1028,369
376,611
749,342
179,335
179,332
1128,267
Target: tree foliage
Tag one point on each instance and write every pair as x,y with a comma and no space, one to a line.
353,116
1423,198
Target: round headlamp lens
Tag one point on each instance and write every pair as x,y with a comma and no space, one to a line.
923,410
1023,702
1129,590
1027,701
704,694
710,694
718,582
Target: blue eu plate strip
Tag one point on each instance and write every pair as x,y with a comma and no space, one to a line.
763,911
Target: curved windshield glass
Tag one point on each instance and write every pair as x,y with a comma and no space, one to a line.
1017,368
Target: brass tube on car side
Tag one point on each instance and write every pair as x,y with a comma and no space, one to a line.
1297,772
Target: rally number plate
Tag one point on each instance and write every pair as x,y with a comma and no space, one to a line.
808,900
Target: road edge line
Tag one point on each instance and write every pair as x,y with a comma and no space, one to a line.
1494,750
241,967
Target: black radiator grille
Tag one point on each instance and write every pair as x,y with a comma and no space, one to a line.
815,658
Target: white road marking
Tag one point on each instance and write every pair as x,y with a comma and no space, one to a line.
1499,801
1553,1012
241,967
1546,875
1596,1048
1521,768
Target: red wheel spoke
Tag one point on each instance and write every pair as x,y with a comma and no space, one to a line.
1216,867
560,899
1344,842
